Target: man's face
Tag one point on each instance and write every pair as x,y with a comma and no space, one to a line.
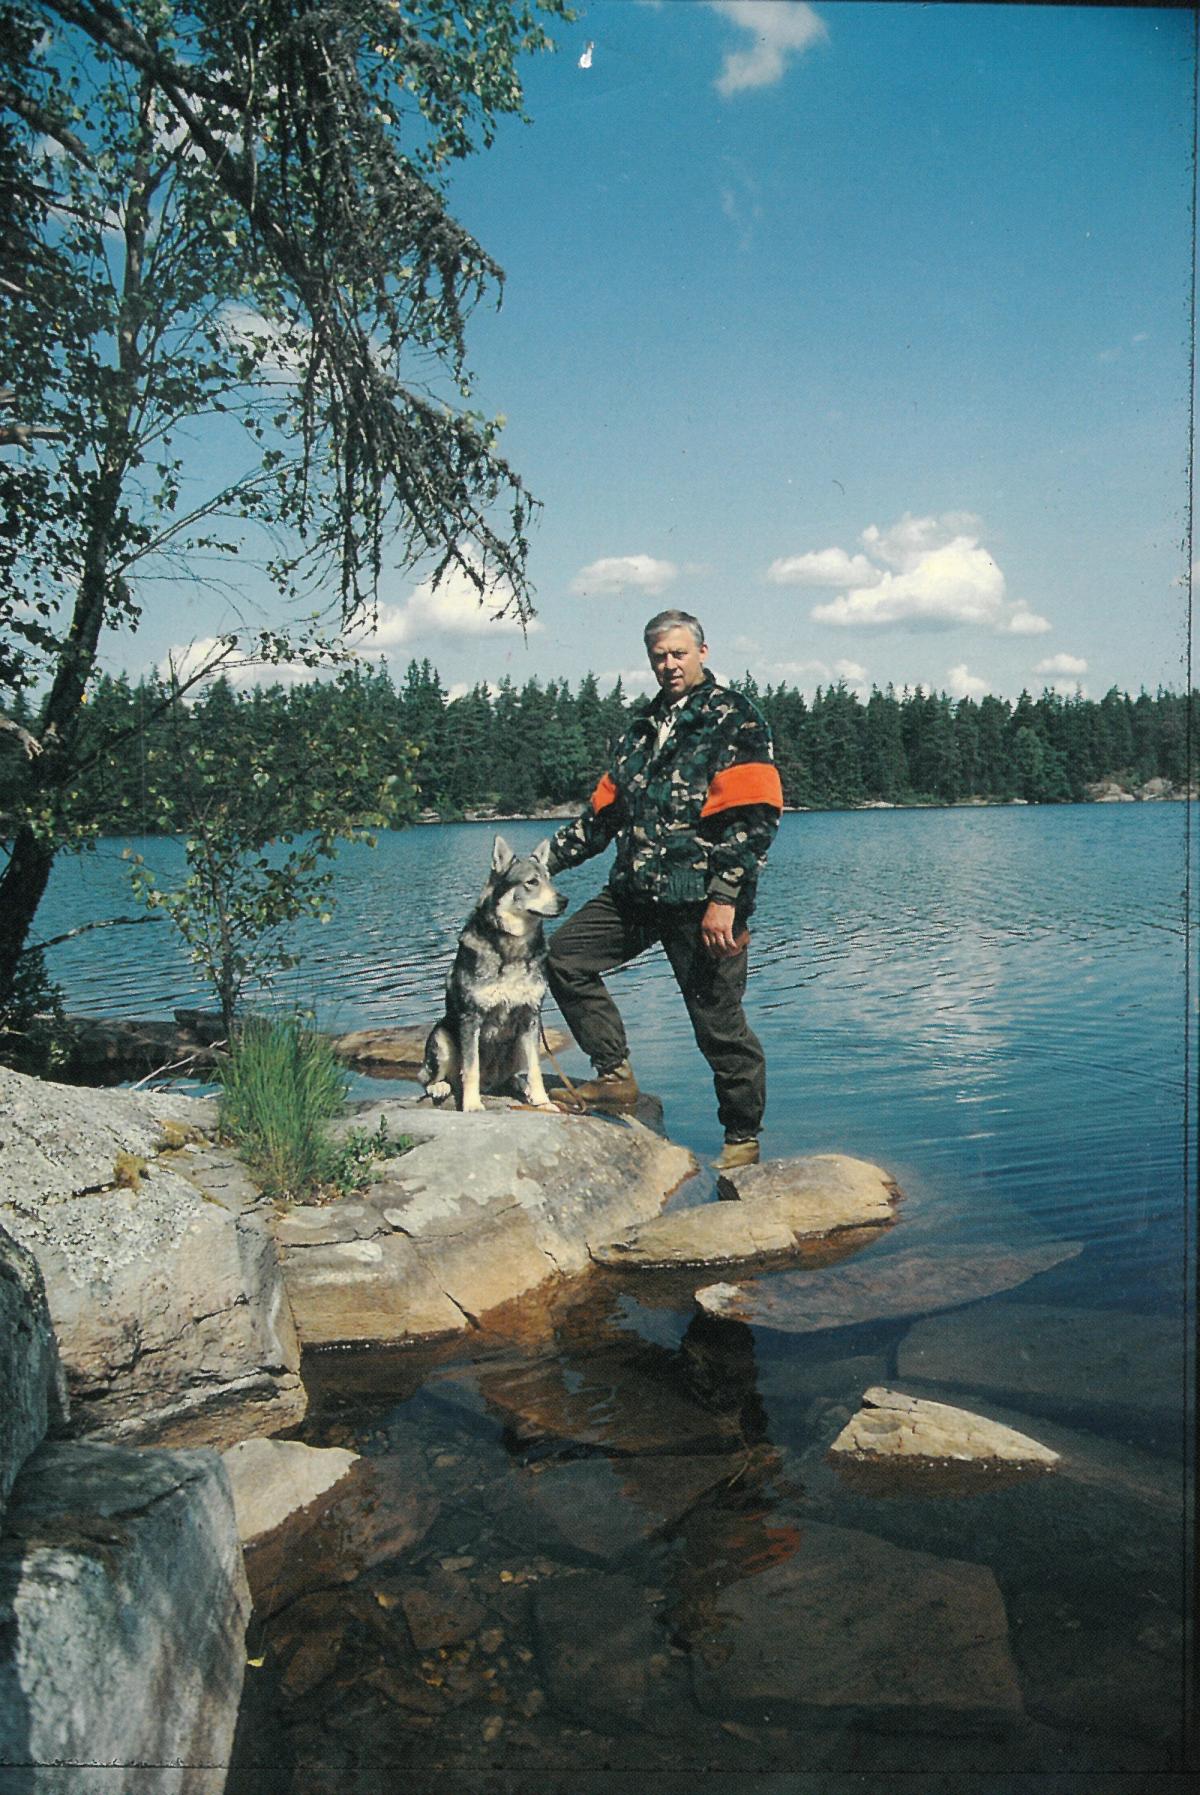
678,660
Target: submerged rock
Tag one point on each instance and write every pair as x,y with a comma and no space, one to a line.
171,1316
853,1627
892,1425
272,1479
483,1209
1057,1360
596,1635
123,1607
880,1286
778,1206
604,1508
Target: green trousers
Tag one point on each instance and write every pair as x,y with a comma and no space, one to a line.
609,931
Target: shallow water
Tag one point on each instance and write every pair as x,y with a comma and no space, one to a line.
621,1500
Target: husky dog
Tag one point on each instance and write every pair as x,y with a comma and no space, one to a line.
496,985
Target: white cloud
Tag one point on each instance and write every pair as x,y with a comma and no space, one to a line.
781,29
621,573
1062,663
452,608
824,567
961,683
204,656
920,573
639,678
810,674
277,351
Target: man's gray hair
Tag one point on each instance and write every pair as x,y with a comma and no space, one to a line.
658,626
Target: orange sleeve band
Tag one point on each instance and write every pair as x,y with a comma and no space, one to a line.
604,794
751,782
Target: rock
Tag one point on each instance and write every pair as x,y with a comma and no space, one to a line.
483,1209
605,1507
595,1637
382,1506
398,1052
32,1389
892,1425
171,1315
1154,790
441,1611
852,1627
880,1286
1074,1363
123,1607
272,1479
778,1205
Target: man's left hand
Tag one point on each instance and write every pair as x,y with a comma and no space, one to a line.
716,932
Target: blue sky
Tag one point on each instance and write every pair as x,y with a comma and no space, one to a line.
860,330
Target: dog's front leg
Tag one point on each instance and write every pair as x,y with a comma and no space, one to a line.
469,1043
534,1082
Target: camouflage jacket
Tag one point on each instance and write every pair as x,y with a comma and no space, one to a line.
693,820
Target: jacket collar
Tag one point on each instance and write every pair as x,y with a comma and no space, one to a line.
651,712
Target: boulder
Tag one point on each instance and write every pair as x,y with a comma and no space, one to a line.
483,1209
272,1479
123,1608
605,1508
776,1206
892,1425
880,1286
32,1391
171,1314
851,1627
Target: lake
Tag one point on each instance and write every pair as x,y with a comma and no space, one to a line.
993,1005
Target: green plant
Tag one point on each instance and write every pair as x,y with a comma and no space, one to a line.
280,1087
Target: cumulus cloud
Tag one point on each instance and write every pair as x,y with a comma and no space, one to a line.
961,683
810,674
780,30
452,608
213,657
919,573
824,567
275,350
1062,663
624,573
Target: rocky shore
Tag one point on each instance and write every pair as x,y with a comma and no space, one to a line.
153,1310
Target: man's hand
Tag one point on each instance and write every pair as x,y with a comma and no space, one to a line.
716,932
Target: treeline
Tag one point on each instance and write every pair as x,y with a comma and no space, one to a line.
515,749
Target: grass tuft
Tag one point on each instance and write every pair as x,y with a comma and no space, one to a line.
281,1085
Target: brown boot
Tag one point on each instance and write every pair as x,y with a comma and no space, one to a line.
736,1153
617,1087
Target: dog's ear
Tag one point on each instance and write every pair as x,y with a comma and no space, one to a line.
542,854
502,855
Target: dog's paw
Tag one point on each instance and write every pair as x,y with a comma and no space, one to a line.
439,1090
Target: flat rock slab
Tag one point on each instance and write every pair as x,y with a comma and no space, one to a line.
778,1206
1063,1360
123,1608
483,1209
854,1627
32,1390
604,1508
880,1286
893,1425
172,1320
382,1506
596,1634
272,1479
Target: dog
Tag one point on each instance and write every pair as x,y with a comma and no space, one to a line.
494,990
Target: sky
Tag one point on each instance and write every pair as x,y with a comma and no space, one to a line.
861,331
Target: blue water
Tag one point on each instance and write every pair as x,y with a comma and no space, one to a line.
993,1005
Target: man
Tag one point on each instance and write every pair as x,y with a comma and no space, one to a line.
693,800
